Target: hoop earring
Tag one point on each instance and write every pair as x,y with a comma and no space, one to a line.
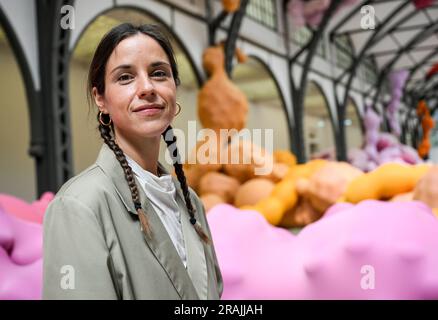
101,119
179,110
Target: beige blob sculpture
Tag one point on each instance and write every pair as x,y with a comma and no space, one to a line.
247,160
202,159
328,184
426,189
219,184
210,200
407,196
253,191
279,206
302,214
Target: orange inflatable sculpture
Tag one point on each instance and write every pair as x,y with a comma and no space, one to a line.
231,6
427,124
221,105
385,182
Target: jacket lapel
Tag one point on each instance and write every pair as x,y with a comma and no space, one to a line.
196,263
160,244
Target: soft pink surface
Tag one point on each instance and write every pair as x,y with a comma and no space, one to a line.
328,258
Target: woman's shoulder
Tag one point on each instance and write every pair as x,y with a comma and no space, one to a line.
86,187
89,178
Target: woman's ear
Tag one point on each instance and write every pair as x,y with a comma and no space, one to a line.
98,99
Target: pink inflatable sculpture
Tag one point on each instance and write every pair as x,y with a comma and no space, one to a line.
373,250
19,208
21,258
21,239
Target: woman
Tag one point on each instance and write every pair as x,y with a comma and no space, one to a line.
125,228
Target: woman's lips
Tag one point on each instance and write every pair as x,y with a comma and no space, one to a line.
149,110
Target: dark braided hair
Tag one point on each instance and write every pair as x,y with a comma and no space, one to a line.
96,79
170,140
105,133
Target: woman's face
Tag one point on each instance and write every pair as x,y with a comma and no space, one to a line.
140,92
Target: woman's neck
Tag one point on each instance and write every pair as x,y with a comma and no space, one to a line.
144,152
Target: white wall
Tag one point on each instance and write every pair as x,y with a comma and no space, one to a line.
21,14
85,136
270,116
17,169
322,140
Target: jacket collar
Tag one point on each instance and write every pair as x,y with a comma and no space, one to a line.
191,283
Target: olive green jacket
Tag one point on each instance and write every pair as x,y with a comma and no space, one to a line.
94,247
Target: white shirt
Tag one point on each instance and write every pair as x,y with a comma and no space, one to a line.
161,192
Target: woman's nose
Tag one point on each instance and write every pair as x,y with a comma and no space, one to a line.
145,87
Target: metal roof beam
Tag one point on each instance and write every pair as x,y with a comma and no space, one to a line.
299,91
420,64
349,16
421,36
375,37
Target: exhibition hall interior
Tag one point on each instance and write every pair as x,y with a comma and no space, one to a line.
307,128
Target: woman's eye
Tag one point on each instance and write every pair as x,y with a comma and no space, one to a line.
160,74
124,78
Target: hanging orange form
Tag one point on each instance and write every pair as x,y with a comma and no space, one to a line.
427,124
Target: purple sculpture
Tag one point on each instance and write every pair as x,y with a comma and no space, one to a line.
379,147
20,258
372,124
373,250
311,12
397,81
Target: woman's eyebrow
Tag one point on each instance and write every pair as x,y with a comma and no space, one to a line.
122,66
159,63
153,65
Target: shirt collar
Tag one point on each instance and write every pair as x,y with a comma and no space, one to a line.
162,183
108,162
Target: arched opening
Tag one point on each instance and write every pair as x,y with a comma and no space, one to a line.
17,168
266,103
318,124
409,133
415,132
85,136
353,126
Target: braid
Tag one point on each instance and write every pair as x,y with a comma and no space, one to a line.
105,132
170,139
